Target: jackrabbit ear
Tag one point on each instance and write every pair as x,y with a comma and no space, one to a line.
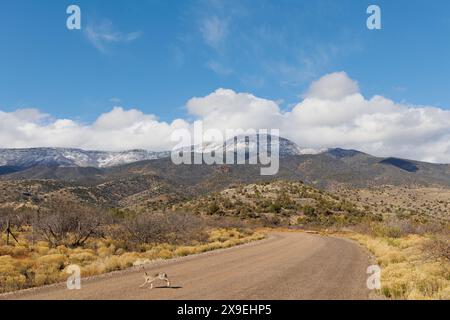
143,268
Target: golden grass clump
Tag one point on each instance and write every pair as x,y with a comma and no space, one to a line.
56,259
407,273
95,268
47,274
13,251
23,266
111,263
165,254
10,277
141,262
186,250
220,235
105,251
41,248
128,259
83,258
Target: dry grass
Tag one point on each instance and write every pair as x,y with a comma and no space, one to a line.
26,265
407,270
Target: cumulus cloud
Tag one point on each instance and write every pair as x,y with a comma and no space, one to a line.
332,87
225,108
333,113
116,130
343,117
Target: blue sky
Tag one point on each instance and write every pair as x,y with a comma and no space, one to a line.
139,70
273,49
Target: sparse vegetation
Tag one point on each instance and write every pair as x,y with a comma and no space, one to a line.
413,256
57,225
412,248
279,203
102,241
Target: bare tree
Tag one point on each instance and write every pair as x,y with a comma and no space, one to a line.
10,219
164,227
68,223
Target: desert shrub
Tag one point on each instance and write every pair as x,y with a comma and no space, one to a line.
275,207
213,208
172,227
164,235
227,204
271,220
438,248
68,223
393,227
18,218
309,210
227,223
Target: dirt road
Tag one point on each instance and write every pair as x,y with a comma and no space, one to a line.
286,266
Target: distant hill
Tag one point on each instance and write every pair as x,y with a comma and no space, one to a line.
124,178
17,159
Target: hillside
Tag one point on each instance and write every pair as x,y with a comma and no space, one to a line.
33,176
277,202
322,169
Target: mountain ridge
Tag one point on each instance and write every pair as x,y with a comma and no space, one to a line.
324,169
73,157
15,159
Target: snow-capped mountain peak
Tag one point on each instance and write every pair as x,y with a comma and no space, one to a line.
250,142
66,157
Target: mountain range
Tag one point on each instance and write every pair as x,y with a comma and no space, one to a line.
323,168
19,159
14,160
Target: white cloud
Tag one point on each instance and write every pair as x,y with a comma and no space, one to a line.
333,113
333,86
214,31
118,129
100,35
226,109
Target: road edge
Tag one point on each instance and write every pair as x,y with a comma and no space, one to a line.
152,263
